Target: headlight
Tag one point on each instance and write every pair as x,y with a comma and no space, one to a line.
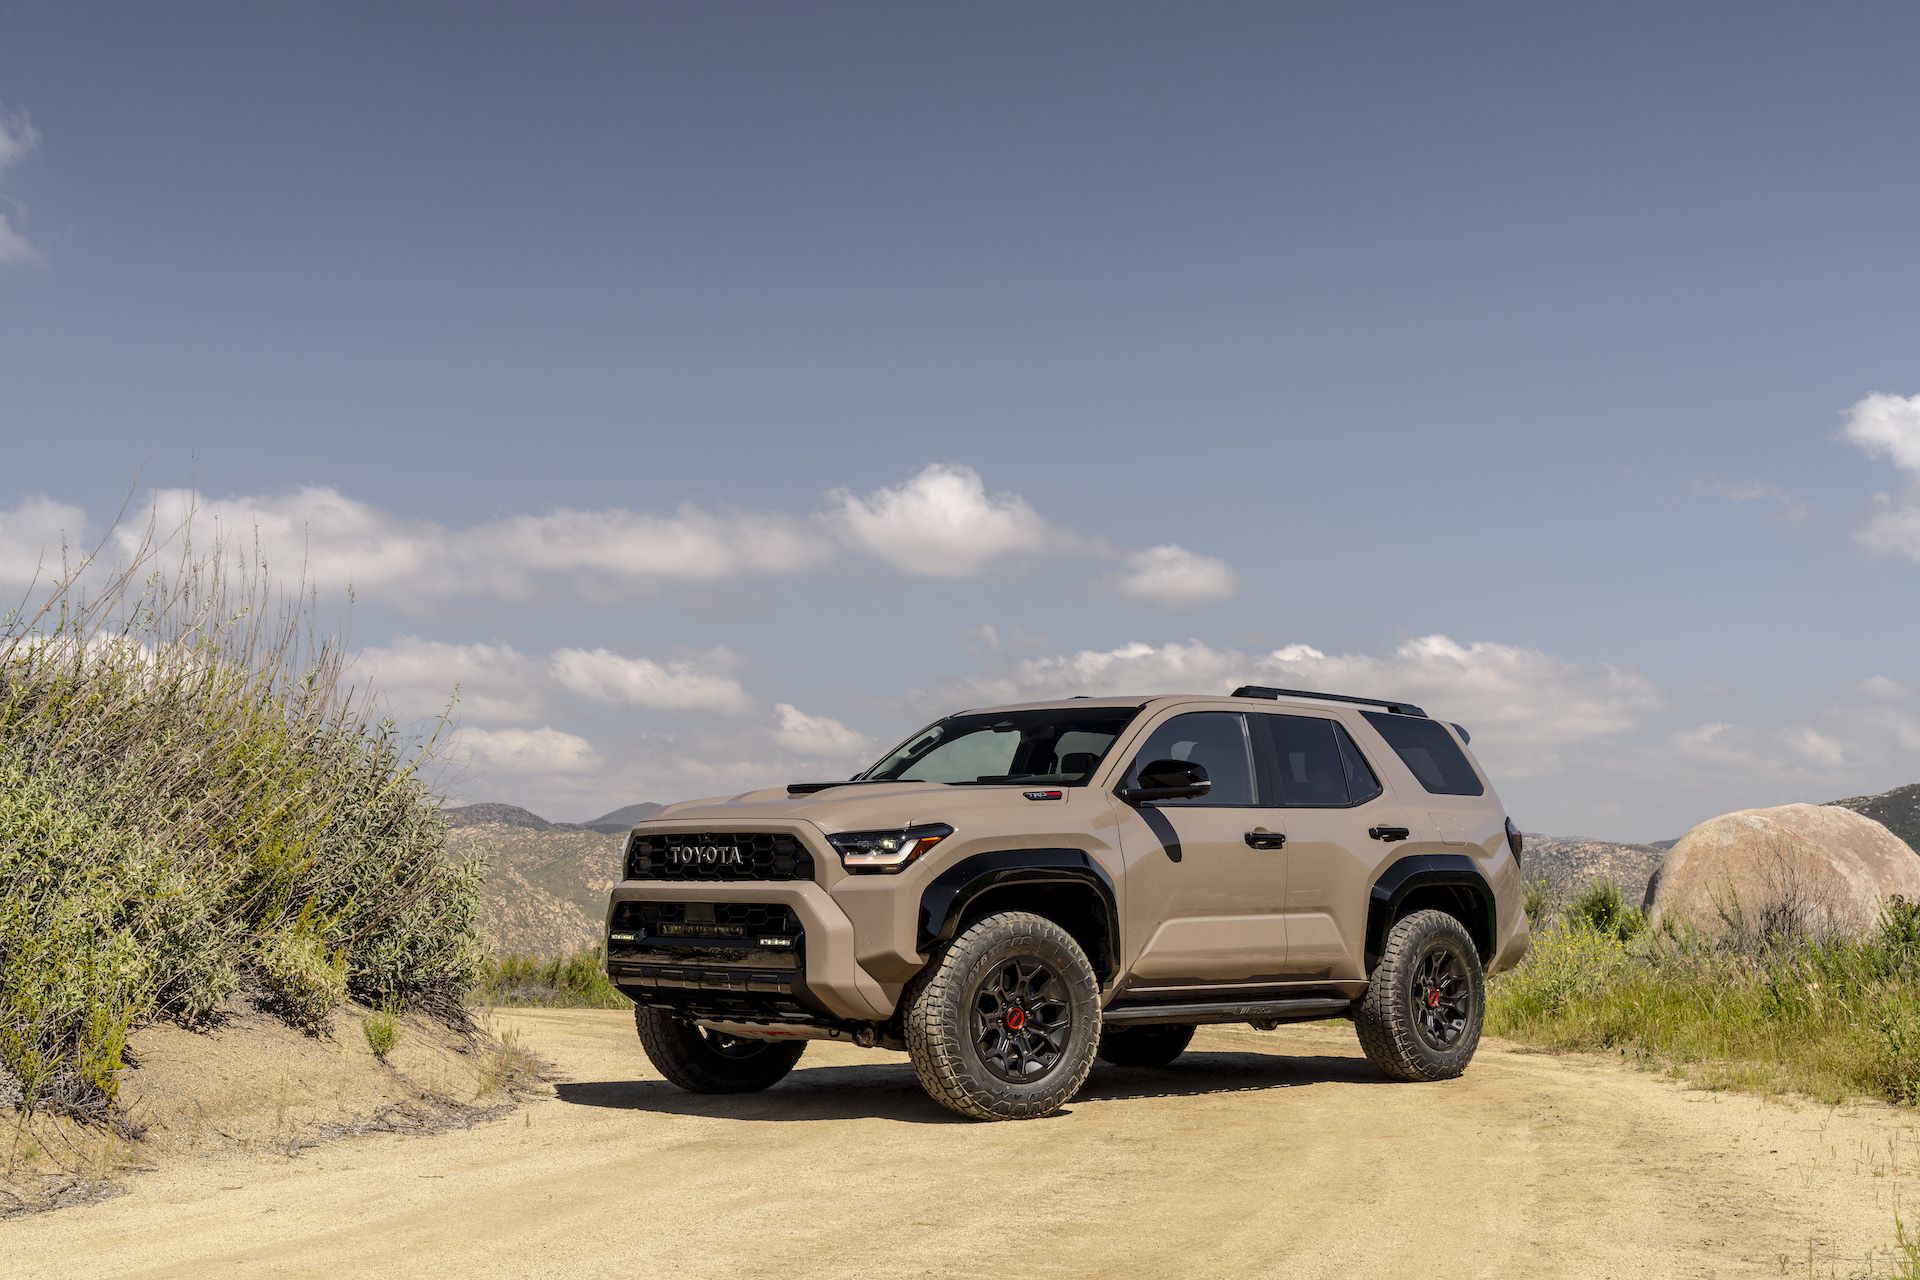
887,851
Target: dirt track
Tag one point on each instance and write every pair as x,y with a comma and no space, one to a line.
1258,1154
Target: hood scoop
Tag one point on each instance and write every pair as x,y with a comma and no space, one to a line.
809,788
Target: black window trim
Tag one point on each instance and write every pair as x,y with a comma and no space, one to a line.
1268,765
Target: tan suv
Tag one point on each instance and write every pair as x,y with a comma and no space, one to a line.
1014,891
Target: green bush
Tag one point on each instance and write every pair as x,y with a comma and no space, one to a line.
1602,908
301,979
577,981
194,807
382,1029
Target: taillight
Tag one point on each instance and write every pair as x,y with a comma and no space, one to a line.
1514,839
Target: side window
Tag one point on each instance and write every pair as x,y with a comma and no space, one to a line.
1362,784
1429,752
1215,740
1305,768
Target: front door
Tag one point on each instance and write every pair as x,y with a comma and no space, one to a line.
1205,887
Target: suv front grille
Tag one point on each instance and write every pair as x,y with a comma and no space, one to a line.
708,919
722,855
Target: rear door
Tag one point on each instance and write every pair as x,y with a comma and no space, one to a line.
1340,822
1210,904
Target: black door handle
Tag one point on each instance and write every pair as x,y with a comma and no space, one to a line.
1266,840
1388,834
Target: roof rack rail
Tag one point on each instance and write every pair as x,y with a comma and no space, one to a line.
1262,691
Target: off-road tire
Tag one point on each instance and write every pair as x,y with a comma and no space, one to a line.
701,1061
1389,1017
1145,1046
944,1028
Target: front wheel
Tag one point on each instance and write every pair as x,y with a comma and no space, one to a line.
1003,1024
703,1061
1426,1000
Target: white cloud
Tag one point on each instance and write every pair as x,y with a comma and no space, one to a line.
605,676
601,551
1886,426
31,535
418,677
1174,576
944,523
1884,689
1895,528
336,541
941,522
15,247
523,753
1791,508
1521,704
820,737
17,138
318,534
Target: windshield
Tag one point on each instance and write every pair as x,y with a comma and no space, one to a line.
1058,746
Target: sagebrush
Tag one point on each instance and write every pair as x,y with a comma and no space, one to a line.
195,806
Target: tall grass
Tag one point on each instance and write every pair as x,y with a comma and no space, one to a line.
578,981
1751,1005
195,806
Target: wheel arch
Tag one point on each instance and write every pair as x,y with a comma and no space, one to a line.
1449,882
1066,886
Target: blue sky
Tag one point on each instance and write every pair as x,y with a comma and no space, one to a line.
1516,359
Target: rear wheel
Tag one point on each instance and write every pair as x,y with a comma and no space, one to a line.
1145,1046
1003,1024
703,1061
1426,1000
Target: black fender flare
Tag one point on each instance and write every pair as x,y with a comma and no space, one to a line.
946,898
1423,871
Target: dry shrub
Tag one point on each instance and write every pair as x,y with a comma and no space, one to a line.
193,802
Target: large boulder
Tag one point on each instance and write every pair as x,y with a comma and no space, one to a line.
1824,869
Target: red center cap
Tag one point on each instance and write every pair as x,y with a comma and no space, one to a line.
1016,1018
1433,998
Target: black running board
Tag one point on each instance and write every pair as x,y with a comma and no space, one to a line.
1299,1009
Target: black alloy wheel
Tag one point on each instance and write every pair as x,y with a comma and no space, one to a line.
1426,999
1004,1021
1442,995
1021,1019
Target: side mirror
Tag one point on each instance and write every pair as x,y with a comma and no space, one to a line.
1167,780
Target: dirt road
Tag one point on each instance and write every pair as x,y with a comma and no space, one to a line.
1275,1154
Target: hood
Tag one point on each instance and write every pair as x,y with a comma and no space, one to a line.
868,806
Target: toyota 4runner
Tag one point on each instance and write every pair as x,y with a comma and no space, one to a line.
1013,892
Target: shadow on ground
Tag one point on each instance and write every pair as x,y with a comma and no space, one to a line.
889,1091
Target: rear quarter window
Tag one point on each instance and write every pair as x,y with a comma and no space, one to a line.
1429,752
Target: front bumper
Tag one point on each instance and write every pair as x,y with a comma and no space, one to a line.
807,970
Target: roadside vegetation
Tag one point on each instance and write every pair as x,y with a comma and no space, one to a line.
577,981
1757,1004
197,810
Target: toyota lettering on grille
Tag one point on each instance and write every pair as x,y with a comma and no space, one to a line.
706,855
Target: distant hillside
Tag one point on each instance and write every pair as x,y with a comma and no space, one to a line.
1568,864
618,822
1897,810
621,820
547,892
504,815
